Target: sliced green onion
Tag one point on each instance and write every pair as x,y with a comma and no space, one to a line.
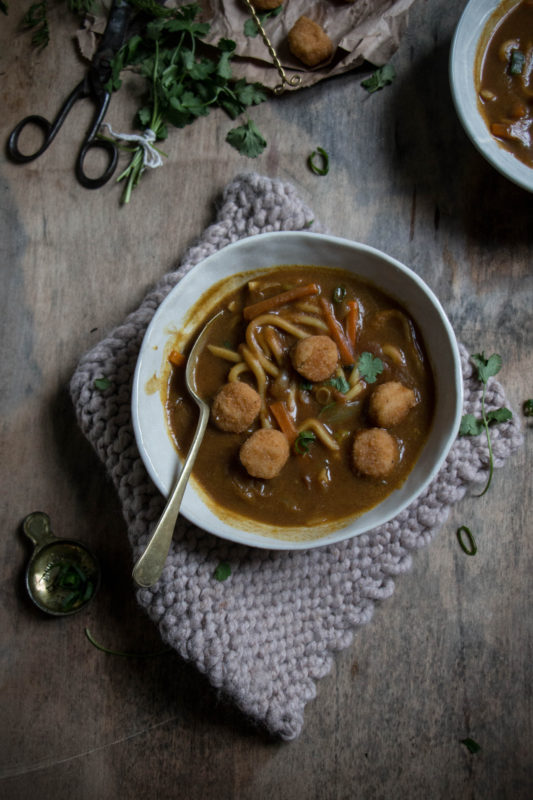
470,548
322,167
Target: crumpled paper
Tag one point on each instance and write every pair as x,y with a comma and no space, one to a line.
362,30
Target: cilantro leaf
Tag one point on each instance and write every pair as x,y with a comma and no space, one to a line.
471,745
369,367
302,442
487,367
470,426
222,572
528,408
383,76
499,415
247,139
250,27
3,7
339,382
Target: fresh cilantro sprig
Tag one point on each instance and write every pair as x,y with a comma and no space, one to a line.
369,367
3,7
528,408
472,426
186,81
382,77
36,20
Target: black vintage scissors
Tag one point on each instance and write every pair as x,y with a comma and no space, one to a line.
93,87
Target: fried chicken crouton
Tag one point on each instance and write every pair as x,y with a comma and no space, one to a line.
265,453
235,407
309,42
390,403
375,452
315,357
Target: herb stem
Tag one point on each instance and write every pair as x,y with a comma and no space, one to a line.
489,443
121,654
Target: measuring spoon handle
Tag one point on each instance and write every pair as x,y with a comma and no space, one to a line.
37,528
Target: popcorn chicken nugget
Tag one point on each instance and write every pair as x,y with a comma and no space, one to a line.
309,42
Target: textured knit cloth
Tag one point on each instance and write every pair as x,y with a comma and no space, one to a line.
266,634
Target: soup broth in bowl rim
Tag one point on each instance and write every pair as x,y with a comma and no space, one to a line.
470,37
215,277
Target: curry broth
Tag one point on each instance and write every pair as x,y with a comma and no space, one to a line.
505,78
319,486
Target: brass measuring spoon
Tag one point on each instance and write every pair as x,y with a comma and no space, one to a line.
62,574
149,567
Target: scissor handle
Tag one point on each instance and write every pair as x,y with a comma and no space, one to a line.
112,153
50,129
13,142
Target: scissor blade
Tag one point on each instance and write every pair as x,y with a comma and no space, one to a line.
115,32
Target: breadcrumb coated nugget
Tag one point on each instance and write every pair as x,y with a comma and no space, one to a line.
309,42
390,403
265,453
235,407
315,357
375,452
265,5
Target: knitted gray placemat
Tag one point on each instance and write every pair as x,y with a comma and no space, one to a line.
266,634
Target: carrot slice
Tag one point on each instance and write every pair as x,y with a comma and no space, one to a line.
337,333
501,130
278,300
284,420
176,358
352,319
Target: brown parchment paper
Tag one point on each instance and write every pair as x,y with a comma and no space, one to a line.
362,30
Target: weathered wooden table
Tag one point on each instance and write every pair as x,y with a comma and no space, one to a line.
450,655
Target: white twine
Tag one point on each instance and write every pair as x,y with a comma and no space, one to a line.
151,157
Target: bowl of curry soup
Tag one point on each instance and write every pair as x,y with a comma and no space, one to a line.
491,77
334,384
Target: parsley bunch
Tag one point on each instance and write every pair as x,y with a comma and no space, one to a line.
186,80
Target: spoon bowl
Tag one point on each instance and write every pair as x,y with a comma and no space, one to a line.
148,568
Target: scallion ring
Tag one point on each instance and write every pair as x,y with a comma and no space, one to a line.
322,167
470,548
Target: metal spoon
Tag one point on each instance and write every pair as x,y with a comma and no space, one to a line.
149,567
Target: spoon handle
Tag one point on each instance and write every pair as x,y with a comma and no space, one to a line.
149,567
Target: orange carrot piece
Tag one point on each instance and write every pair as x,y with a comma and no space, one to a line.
501,130
278,300
337,333
284,420
352,319
176,358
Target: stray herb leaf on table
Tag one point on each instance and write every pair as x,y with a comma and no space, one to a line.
382,77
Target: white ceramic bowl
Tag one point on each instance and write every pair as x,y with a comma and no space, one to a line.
274,249
465,96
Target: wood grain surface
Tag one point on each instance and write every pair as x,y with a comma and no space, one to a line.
450,655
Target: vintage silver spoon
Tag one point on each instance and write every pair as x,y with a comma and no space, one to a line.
149,567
